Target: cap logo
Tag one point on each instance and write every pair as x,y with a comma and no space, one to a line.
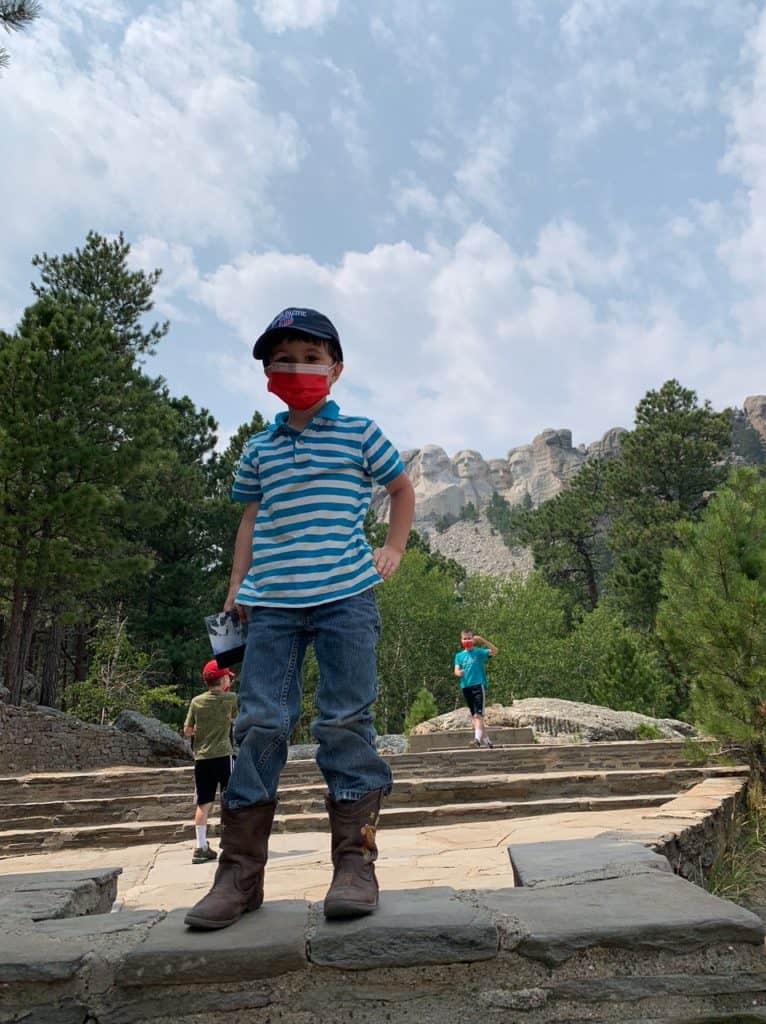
286,318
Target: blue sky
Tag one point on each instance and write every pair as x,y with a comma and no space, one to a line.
520,213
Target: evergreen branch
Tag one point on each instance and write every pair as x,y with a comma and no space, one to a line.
17,14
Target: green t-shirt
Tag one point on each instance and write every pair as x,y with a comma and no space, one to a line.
211,714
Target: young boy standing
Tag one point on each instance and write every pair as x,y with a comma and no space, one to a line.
208,721
470,668
303,573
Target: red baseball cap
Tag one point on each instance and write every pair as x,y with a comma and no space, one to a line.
212,671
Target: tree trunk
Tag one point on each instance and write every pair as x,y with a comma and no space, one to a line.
50,681
80,653
12,672
27,630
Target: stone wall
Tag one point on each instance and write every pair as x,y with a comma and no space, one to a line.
41,739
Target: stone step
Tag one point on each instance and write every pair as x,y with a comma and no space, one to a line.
423,792
40,840
461,738
625,755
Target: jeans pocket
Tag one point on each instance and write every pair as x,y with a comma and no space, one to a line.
370,605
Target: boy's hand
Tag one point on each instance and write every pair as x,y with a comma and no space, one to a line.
230,605
386,560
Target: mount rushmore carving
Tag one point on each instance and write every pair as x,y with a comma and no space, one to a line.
529,474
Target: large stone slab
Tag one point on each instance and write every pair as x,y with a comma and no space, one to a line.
54,950
651,911
410,928
260,945
97,926
573,861
53,894
27,958
38,905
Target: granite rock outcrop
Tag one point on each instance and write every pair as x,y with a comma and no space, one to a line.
529,475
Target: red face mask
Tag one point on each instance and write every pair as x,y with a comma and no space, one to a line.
299,385
467,644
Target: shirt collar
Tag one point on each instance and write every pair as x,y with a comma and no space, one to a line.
329,411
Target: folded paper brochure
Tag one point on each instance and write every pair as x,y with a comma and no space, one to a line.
228,636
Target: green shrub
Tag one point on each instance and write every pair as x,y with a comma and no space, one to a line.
647,731
423,708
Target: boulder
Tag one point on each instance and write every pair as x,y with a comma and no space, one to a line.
165,743
392,744
30,690
550,717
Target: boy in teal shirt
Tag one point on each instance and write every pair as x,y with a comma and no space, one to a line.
470,669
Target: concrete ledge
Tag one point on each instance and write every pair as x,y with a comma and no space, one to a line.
262,945
411,928
651,911
458,738
58,894
574,861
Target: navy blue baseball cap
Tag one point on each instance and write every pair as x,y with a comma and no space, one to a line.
297,321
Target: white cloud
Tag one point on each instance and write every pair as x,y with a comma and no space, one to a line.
564,256
179,273
280,15
412,195
505,346
745,250
164,128
482,175
346,121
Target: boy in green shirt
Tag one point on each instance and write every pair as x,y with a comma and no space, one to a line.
209,720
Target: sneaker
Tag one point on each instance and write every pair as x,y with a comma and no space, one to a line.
201,856
475,743
488,743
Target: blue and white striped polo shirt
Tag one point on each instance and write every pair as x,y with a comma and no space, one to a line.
314,489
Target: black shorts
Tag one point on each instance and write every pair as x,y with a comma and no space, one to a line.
474,698
209,774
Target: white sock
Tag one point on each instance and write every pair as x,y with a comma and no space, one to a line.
201,831
477,734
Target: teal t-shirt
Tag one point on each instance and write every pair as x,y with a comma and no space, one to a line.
472,663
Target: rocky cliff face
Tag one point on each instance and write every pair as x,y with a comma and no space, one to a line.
754,409
530,474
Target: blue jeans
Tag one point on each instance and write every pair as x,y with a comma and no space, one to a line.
344,634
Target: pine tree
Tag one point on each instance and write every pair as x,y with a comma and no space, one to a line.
98,275
16,15
668,465
80,427
567,535
713,615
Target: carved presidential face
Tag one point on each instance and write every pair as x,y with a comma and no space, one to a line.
433,462
500,475
469,464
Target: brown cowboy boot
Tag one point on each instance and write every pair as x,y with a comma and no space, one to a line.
238,884
354,889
